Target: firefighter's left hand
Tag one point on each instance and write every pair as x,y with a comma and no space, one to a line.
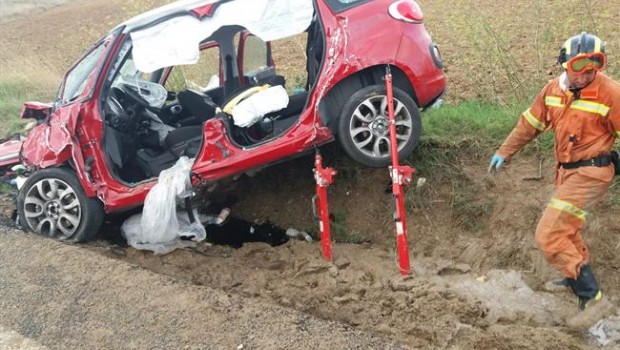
496,163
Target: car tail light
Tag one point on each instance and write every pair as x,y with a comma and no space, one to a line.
407,11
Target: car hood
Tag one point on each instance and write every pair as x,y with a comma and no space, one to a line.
51,142
176,40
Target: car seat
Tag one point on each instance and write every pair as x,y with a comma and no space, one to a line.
184,141
199,104
248,90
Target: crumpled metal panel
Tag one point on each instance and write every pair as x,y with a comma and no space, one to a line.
35,110
56,135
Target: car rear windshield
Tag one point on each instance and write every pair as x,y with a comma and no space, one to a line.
341,5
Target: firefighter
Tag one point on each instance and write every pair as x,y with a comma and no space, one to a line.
582,107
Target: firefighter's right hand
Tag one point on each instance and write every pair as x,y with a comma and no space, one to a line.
496,163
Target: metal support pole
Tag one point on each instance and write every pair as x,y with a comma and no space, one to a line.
324,178
401,176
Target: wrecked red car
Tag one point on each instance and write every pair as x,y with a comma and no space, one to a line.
197,78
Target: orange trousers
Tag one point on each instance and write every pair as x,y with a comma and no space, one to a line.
559,230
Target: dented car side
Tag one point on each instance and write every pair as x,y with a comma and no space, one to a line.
113,130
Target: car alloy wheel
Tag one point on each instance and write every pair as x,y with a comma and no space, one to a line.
52,208
369,127
363,127
52,203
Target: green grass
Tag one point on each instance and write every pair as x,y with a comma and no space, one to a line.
12,98
23,80
475,126
6,189
468,130
470,121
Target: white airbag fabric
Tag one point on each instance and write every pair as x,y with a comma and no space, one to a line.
253,108
159,227
176,41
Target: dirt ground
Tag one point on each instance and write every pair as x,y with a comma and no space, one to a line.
469,290
477,272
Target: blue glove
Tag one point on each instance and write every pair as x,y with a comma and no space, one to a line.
496,163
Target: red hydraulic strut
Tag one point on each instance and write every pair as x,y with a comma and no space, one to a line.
324,177
401,176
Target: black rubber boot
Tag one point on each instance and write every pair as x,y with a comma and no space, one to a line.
560,285
564,282
593,305
586,286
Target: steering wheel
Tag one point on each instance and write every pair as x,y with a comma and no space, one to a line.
125,108
118,94
134,96
116,116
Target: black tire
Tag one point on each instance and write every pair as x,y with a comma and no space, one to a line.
52,203
363,128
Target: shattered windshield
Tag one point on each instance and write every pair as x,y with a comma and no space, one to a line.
124,66
77,79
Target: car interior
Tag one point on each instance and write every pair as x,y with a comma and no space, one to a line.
142,138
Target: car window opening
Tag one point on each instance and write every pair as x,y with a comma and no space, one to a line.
152,119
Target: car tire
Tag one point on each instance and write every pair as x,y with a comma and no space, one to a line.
52,203
363,129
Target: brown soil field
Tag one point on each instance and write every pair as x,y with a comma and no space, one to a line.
478,276
503,50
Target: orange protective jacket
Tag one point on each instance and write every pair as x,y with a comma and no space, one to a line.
584,128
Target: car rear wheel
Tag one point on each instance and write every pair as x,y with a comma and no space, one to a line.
52,203
363,128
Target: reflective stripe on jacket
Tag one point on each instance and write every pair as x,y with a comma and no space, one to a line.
584,128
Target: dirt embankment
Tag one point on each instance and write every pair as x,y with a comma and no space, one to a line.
473,286
477,288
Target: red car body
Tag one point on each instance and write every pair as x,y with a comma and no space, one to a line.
358,40
9,153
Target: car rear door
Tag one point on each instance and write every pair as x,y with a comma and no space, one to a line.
254,59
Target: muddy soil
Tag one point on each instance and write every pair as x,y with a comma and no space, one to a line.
469,289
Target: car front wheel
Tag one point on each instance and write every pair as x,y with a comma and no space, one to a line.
52,203
363,128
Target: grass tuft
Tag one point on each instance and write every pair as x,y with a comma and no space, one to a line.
21,80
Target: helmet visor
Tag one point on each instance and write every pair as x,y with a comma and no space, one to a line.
579,64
